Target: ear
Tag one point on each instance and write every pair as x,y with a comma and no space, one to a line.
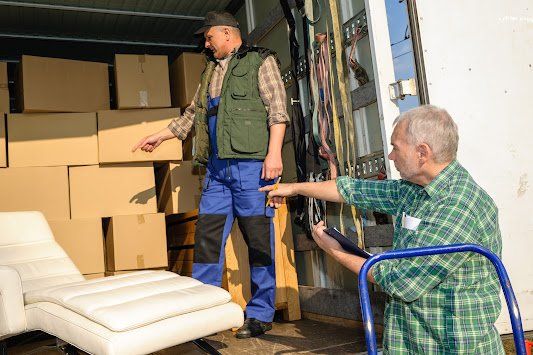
424,153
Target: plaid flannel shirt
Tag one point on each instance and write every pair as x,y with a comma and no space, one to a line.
444,304
271,90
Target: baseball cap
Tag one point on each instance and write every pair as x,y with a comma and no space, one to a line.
217,18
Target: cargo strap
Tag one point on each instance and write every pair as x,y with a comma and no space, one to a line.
351,148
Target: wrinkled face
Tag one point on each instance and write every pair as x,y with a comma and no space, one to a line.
404,154
216,40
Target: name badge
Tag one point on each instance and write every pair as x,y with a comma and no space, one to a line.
409,222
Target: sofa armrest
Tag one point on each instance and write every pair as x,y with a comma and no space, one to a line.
12,313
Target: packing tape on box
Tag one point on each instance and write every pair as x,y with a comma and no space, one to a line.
140,219
143,98
140,261
141,59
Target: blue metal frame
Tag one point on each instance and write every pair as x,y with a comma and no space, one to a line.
512,305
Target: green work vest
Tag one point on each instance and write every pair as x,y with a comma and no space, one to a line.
242,119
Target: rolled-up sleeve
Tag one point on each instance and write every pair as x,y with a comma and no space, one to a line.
181,126
272,92
381,196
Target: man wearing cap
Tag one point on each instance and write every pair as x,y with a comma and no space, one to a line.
239,114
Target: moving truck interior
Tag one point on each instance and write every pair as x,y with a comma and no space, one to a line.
82,81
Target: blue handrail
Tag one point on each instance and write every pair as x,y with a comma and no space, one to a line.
366,309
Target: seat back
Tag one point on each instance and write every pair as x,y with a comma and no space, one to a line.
28,246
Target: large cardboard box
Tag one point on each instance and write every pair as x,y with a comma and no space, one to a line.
4,89
109,190
3,153
142,81
62,85
83,241
179,187
42,189
120,130
136,242
185,74
52,139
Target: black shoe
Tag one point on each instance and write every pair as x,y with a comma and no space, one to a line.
252,328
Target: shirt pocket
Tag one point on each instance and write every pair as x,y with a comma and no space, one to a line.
240,82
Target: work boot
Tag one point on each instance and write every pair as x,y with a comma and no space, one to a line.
253,327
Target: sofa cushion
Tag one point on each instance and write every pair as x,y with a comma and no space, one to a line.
129,301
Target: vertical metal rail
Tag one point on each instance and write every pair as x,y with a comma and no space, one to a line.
512,305
412,14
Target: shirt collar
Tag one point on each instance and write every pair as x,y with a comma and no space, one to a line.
440,182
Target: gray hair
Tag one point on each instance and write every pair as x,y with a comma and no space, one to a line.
434,126
234,30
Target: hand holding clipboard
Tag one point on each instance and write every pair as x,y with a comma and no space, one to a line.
346,243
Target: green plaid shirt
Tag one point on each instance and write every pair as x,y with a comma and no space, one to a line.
444,304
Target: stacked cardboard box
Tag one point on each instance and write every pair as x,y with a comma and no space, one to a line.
185,73
82,240
136,242
120,130
179,187
57,137
61,85
42,189
142,81
59,98
52,139
135,237
70,157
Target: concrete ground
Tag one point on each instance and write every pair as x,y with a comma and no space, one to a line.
304,336
299,337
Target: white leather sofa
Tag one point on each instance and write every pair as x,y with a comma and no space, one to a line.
135,313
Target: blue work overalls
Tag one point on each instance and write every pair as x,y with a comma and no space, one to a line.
231,191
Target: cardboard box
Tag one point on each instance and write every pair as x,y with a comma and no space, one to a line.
94,276
62,85
52,139
136,242
3,153
35,189
179,187
83,241
109,190
185,73
142,81
120,130
4,89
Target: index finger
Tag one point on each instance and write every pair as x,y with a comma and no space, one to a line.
268,188
136,146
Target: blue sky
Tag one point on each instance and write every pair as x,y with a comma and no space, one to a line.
402,52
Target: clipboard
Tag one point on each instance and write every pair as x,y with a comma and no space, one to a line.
346,243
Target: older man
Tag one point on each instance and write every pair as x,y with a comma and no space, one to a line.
240,117
444,304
